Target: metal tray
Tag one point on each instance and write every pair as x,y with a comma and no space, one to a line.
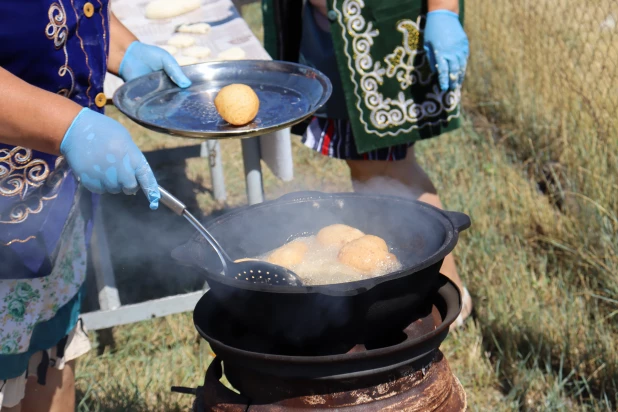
288,93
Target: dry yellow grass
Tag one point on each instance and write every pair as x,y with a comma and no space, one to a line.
545,74
542,268
539,340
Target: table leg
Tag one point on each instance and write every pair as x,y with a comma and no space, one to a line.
212,150
105,280
103,270
253,169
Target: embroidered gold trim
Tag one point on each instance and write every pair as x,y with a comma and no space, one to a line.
19,240
19,172
104,31
81,44
401,61
389,114
58,31
30,179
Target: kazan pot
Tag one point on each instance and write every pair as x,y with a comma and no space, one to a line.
419,235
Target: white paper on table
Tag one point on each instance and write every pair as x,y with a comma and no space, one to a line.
228,30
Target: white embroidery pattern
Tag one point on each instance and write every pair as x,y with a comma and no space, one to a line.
388,114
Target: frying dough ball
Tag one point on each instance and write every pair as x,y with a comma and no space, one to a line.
327,271
237,104
195,28
170,49
289,255
367,255
338,235
165,9
372,242
181,41
234,53
198,52
186,60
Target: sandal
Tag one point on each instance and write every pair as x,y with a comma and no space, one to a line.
466,310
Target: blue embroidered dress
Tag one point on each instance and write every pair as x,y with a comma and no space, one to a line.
45,218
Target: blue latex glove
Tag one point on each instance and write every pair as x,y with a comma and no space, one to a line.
104,158
447,46
141,59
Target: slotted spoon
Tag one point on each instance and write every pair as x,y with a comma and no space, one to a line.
254,271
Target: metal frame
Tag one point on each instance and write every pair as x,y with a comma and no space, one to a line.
124,315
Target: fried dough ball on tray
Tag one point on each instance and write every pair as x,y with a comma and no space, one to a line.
237,104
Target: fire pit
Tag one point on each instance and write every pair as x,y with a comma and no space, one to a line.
402,371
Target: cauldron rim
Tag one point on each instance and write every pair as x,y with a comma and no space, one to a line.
453,223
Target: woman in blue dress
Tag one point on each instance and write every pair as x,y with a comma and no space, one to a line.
54,142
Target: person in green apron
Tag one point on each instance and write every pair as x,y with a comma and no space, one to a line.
396,67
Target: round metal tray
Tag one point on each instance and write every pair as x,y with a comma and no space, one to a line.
288,93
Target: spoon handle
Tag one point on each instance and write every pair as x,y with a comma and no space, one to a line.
180,209
172,202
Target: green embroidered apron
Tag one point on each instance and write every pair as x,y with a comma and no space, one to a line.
391,95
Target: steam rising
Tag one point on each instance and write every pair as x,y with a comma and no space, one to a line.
140,242
387,186
262,228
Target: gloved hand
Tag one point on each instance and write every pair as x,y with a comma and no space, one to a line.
141,59
104,158
447,47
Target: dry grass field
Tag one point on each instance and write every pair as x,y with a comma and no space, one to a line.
535,166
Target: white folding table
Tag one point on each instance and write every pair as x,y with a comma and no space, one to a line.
228,30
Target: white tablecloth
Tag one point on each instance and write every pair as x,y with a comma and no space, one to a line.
228,30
